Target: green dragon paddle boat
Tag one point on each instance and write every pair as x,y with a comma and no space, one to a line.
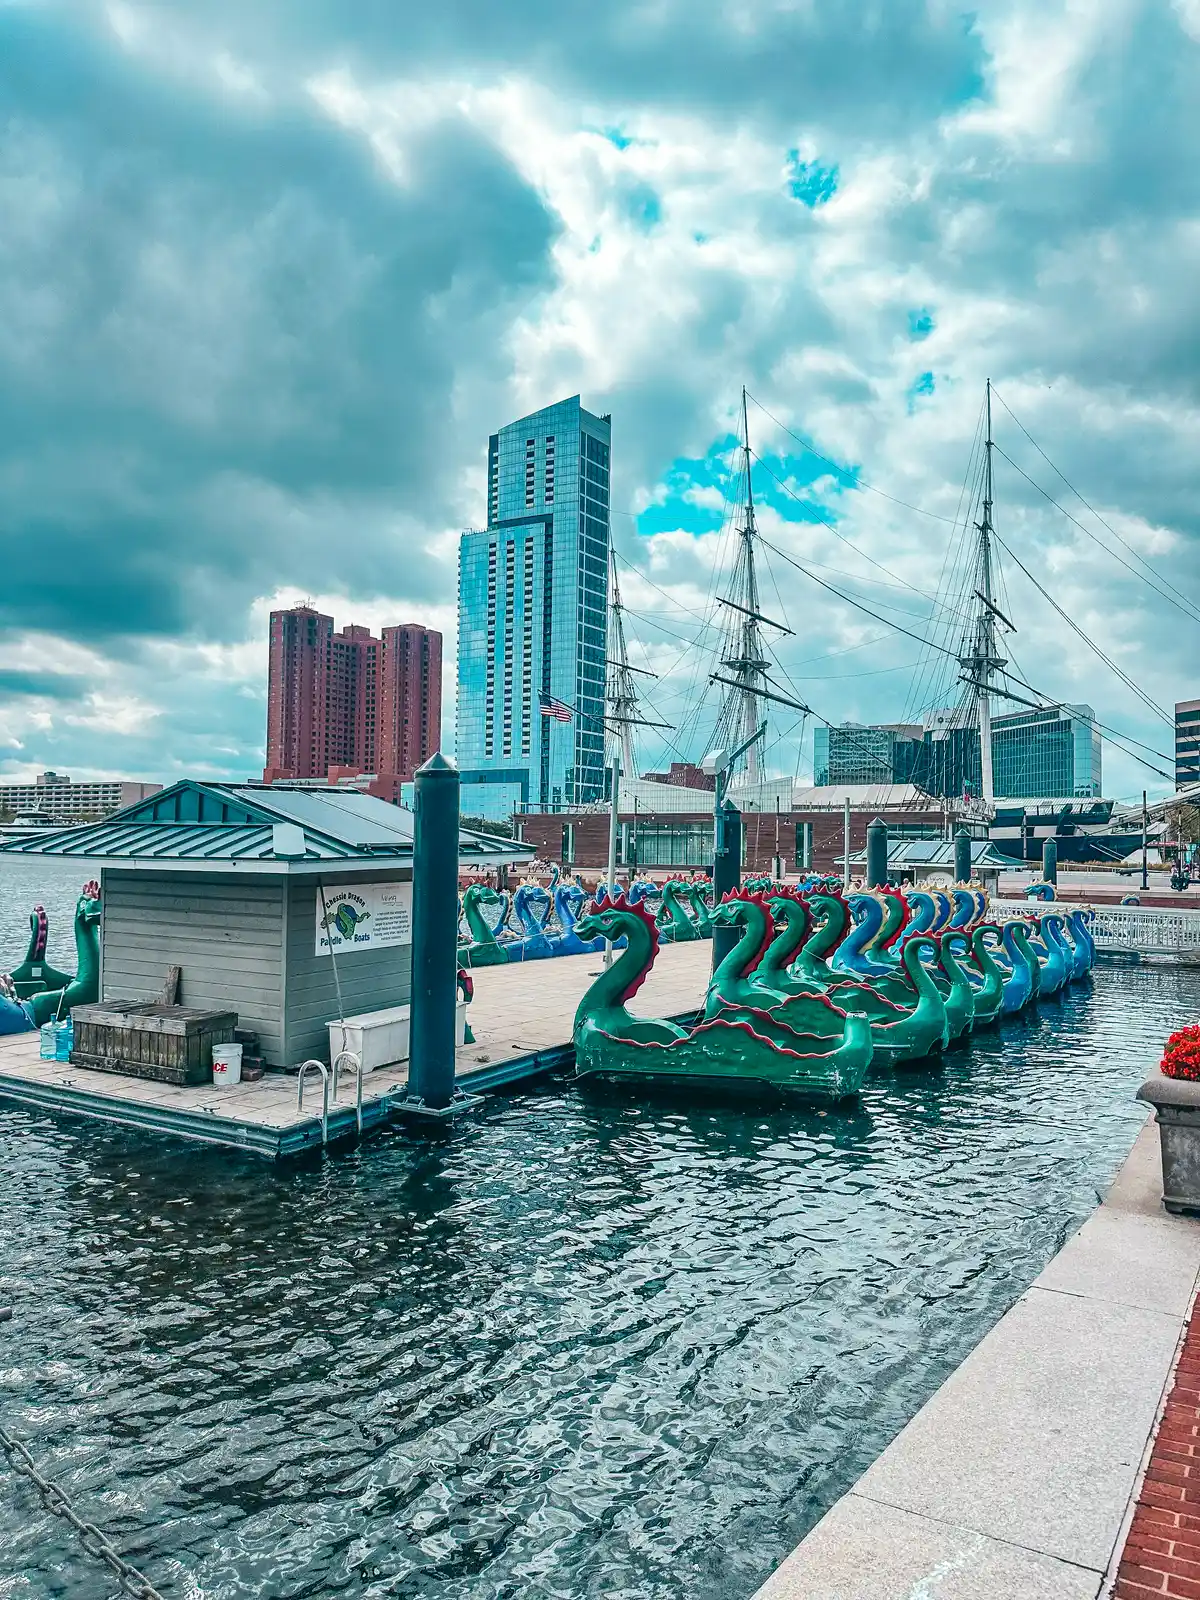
740,1047
674,923
989,995
697,893
35,973
812,963
482,949
84,988
907,1014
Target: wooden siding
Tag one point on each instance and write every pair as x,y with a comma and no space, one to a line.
225,932
370,979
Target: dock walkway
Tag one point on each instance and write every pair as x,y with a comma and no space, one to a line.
1017,1480
521,1017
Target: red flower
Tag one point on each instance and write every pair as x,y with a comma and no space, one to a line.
1181,1058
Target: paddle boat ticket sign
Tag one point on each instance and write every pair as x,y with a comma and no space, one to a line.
364,916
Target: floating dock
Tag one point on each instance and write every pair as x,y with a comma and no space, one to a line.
521,1017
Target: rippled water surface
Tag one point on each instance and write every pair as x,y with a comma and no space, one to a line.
582,1347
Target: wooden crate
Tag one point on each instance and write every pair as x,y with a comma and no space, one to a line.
146,1039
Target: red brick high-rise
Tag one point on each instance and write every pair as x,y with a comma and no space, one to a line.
410,697
349,701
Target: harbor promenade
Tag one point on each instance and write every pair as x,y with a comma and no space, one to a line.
1019,1479
521,1017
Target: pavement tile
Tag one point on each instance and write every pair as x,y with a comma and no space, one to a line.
1131,1260
1036,1439
862,1550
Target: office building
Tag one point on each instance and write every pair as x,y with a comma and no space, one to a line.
1187,743
53,794
532,623
854,753
348,701
1047,754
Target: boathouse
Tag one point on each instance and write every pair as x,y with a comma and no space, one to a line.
289,906
929,863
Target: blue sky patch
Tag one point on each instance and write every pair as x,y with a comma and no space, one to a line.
920,323
713,472
921,386
643,206
810,182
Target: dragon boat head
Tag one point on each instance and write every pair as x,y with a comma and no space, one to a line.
610,919
739,907
87,907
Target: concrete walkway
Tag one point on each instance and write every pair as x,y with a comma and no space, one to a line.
1016,1480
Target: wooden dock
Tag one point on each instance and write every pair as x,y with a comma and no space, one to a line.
521,1017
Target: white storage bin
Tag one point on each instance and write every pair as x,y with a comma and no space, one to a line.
380,1038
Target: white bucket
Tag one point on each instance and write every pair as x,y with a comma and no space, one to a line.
227,1065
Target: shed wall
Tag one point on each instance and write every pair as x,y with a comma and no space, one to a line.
224,931
370,979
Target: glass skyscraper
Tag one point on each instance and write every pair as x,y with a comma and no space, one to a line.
1051,754
532,618
1036,754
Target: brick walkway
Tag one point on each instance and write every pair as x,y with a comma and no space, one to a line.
1162,1553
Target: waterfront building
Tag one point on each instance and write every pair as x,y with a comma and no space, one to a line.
1187,743
665,827
349,702
856,753
54,794
532,622
1052,753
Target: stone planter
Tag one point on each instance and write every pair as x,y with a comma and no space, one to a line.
1176,1103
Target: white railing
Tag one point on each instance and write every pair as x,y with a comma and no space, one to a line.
1142,930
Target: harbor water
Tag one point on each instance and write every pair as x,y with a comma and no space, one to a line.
583,1345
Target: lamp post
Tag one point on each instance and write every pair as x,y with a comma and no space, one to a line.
1145,855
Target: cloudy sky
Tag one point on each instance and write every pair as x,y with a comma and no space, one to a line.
272,270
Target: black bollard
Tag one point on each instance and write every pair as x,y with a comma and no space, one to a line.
962,856
435,934
877,853
1050,861
727,874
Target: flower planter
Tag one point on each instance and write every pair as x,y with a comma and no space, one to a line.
1176,1103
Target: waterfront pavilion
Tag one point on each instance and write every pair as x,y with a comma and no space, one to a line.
255,894
930,863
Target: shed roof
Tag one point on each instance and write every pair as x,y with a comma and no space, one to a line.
216,825
938,853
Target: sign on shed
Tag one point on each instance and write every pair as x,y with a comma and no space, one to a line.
363,916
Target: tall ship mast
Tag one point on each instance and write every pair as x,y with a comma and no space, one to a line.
743,663
622,712
980,657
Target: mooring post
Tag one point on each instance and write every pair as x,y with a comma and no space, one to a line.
877,853
435,933
1050,861
727,874
962,856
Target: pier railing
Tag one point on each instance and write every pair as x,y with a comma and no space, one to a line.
1133,930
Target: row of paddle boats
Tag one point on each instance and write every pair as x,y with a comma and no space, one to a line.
818,989
538,921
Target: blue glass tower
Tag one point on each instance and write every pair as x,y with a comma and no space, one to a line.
532,617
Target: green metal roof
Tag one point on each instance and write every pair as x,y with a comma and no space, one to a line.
197,824
936,853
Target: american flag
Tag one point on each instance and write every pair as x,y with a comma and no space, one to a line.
558,709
